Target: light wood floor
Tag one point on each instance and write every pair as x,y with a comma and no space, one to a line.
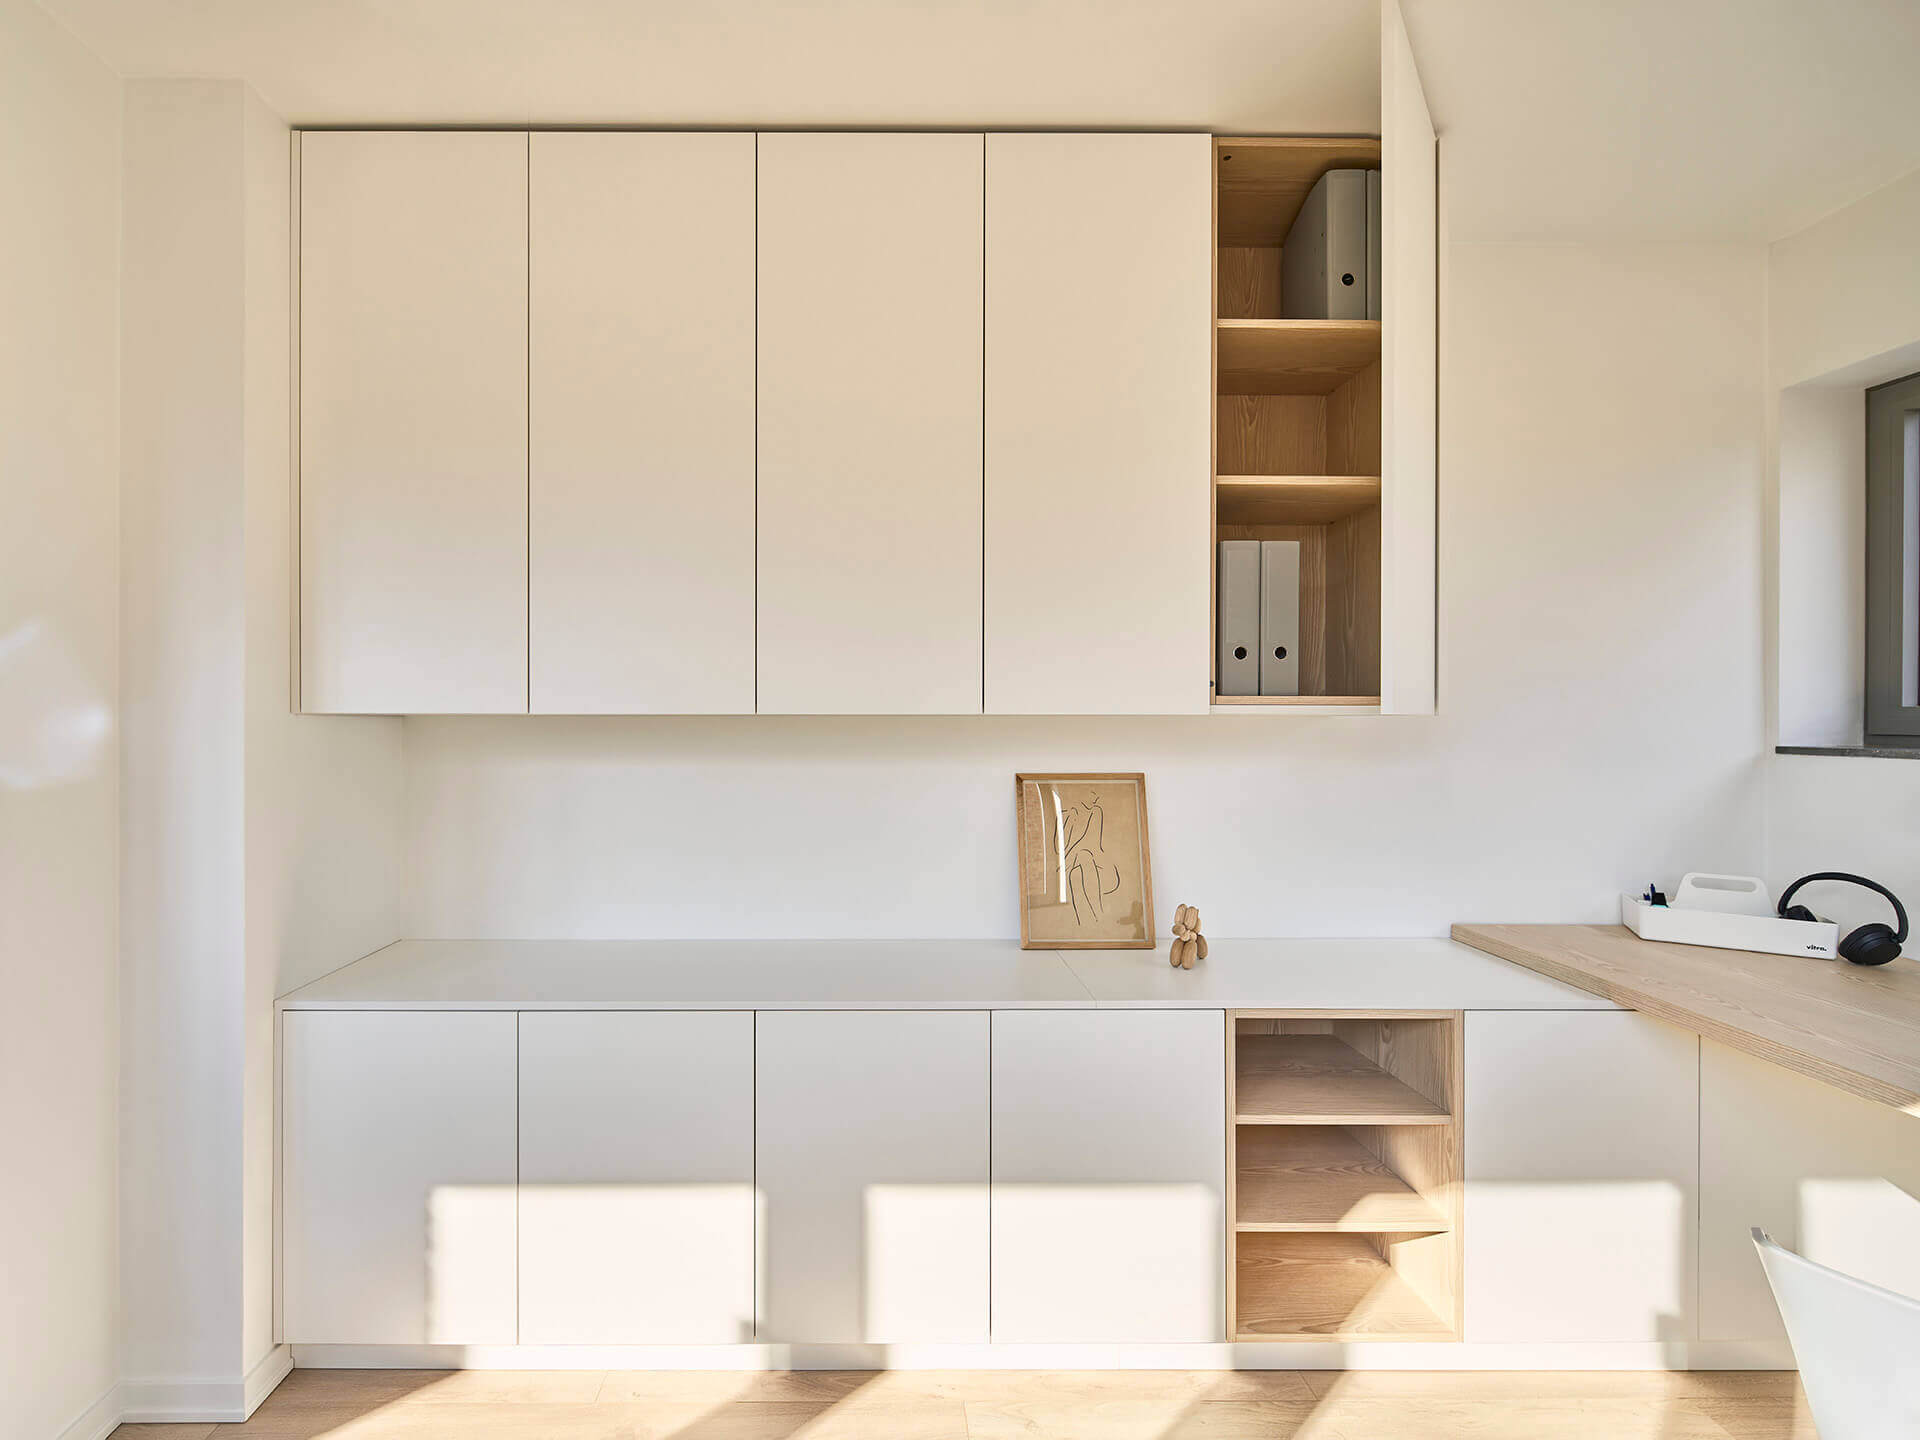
998,1405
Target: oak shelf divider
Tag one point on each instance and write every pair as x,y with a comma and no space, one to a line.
1344,1181
1297,416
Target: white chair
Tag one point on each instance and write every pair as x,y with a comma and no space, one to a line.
1858,1347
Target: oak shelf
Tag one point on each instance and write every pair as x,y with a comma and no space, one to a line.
1321,1080
1326,1287
1293,499
1293,357
1296,700
1264,181
1320,1179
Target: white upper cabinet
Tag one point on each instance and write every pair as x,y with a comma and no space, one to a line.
413,422
640,491
870,420
1098,425
1409,377
851,423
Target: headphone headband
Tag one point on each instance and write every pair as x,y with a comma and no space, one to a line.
1899,910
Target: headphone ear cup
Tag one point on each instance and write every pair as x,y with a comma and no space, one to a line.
1870,945
1800,912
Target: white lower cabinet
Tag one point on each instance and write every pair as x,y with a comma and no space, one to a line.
1109,1174
636,1178
1582,1174
872,1141
398,1152
1826,1173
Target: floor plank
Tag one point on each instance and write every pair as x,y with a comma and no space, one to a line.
1139,1419
1515,1420
1552,1385
1018,1405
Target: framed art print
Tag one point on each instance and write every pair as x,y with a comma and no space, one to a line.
1086,881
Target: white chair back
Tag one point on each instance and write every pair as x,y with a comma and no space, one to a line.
1858,1347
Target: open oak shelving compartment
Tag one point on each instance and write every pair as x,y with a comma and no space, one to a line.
1344,1177
1297,417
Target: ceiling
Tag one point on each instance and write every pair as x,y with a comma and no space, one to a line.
1563,119
1244,64
1708,119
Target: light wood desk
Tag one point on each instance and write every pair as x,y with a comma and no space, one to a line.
1855,1027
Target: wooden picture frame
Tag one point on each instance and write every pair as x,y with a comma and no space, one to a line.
1086,874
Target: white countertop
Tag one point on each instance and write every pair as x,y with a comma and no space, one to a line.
928,975
1323,975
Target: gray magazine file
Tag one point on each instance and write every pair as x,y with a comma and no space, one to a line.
1237,622
1323,265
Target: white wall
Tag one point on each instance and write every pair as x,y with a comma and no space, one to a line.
259,849
182,679
59,776
1844,312
1601,716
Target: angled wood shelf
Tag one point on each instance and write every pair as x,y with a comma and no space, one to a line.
1327,1287
1264,181
1318,1179
1293,357
1293,499
1321,1080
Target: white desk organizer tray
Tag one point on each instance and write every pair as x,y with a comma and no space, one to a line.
1732,912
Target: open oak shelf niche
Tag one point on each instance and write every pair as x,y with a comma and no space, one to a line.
1344,1181
1297,416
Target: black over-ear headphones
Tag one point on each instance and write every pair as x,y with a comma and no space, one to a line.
1869,945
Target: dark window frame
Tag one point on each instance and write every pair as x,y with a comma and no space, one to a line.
1893,564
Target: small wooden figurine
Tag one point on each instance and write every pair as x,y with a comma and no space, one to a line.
1188,943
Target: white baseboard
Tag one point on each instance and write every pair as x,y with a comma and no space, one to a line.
1650,1355
173,1400
97,1421
262,1380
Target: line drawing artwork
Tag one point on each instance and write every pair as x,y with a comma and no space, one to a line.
1086,876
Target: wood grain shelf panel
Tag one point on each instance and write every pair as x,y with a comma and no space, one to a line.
1264,182
1326,1287
1293,357
1320,1179
1321,1080
1293,499
1222,701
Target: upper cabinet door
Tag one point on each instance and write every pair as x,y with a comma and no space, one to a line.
869,386
413,422
640,496
1098,423
1409,376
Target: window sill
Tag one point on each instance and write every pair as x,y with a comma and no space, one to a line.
1877,752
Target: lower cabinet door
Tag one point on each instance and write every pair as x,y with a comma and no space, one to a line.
872,1141
636,1178
398,1181
1582,1169
1109,1175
